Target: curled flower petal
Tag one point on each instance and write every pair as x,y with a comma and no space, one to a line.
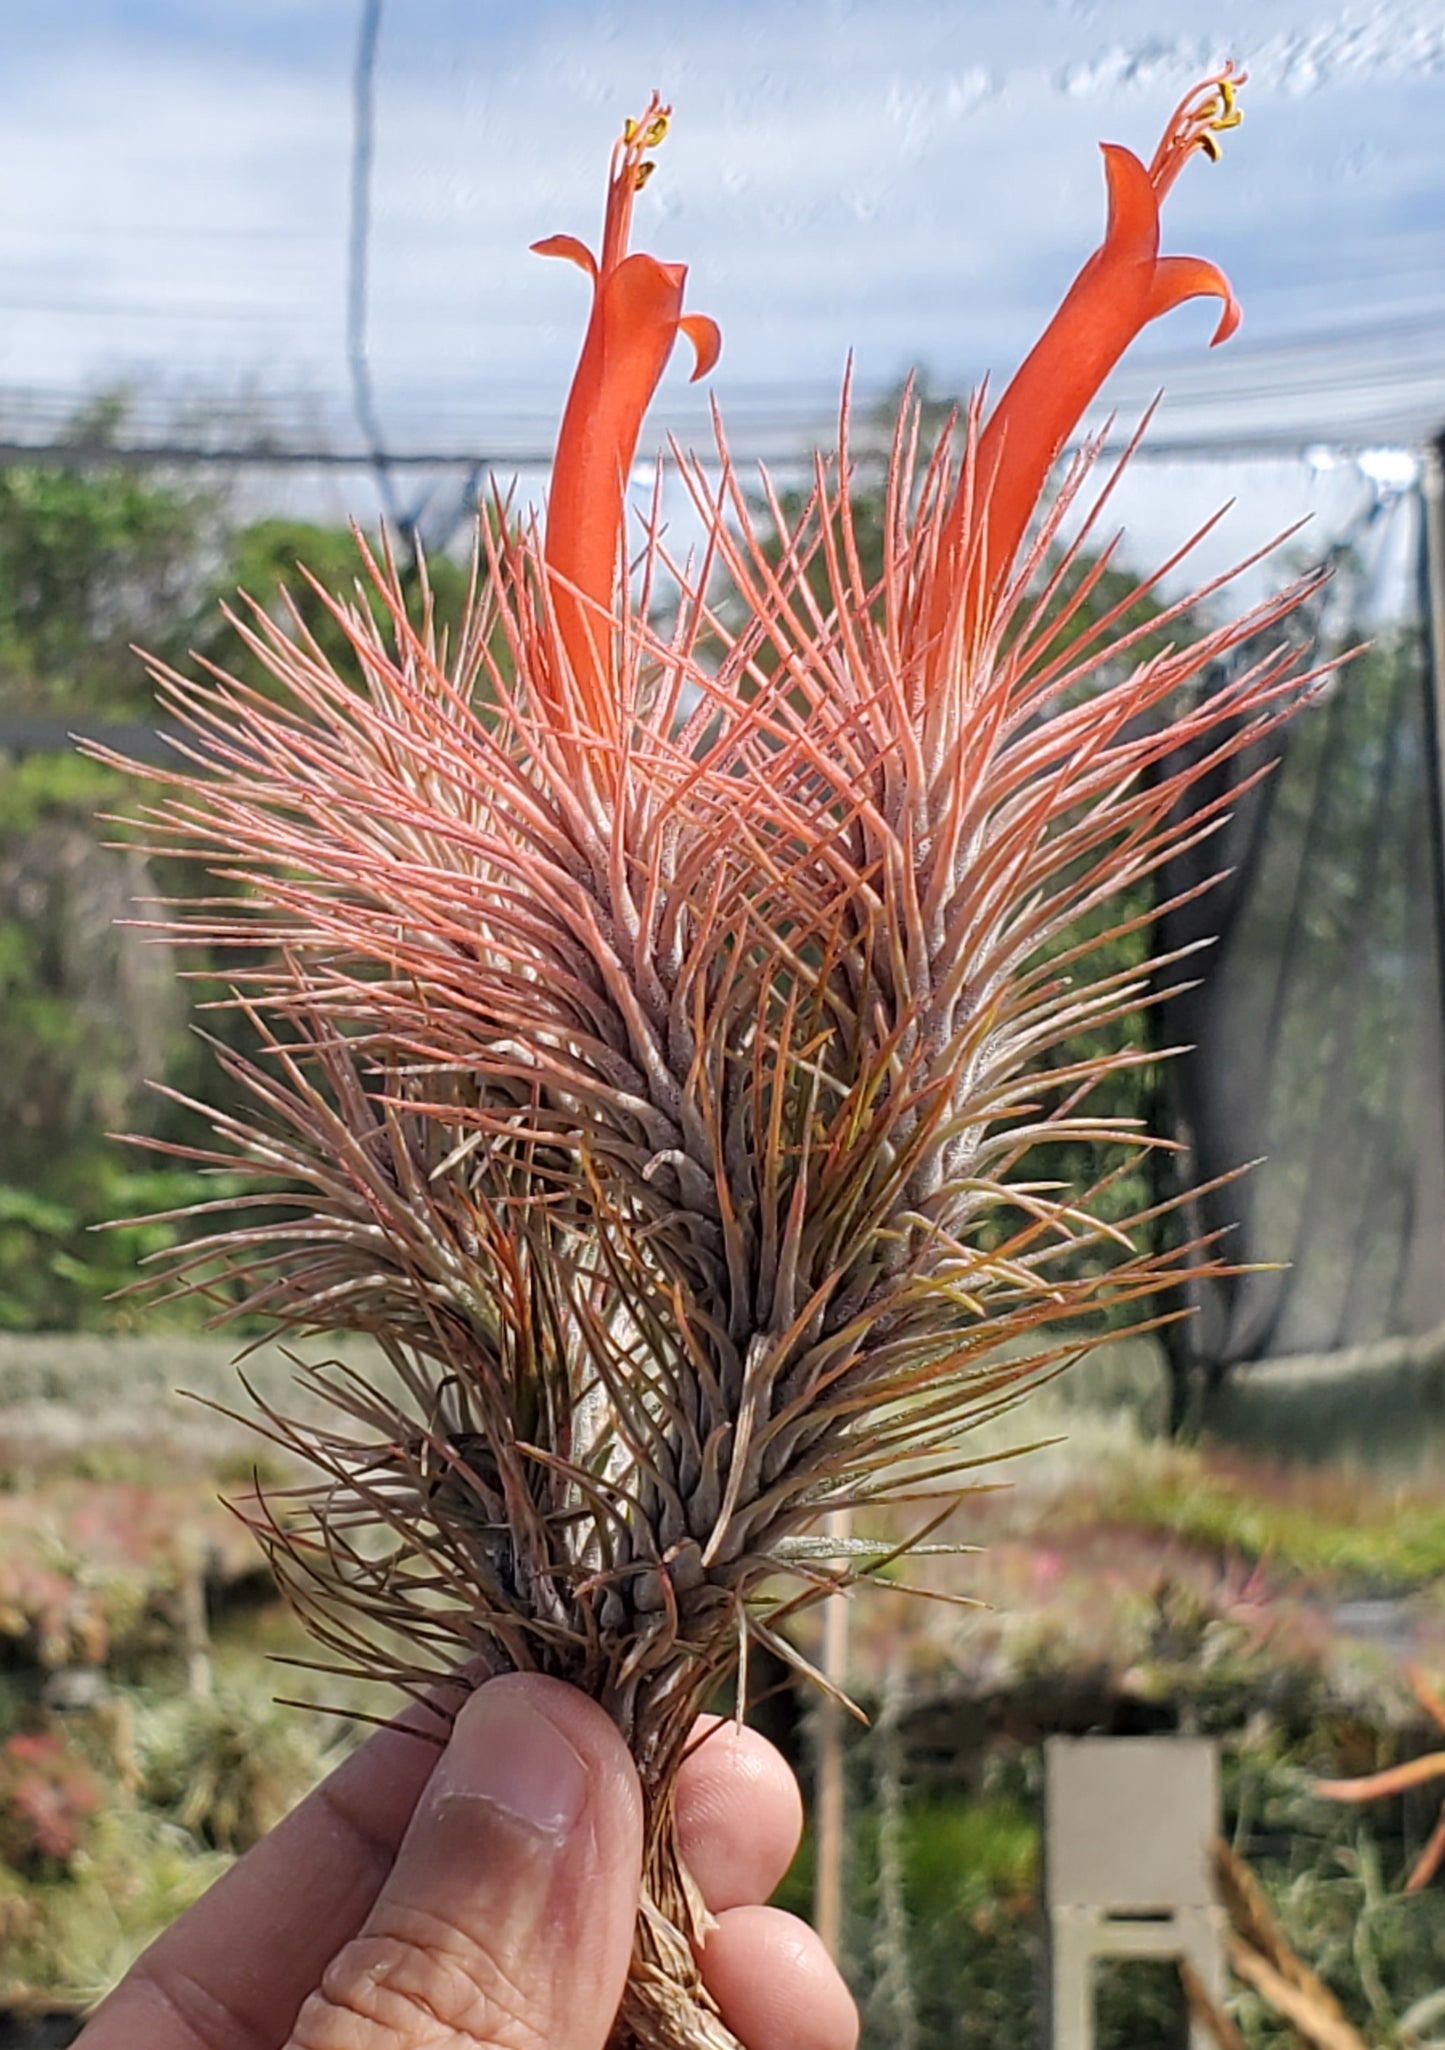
569,247
1177,278
706,338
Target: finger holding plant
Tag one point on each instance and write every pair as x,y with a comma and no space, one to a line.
653,1022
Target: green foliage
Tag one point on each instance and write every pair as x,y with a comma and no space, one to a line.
1334,1877
962,1854
37,789
92,560
90,1014
1379,1544
62,1262
70,1938
975,1949
272,563
88,1010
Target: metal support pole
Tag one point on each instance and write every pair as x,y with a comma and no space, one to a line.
358,264
1432,505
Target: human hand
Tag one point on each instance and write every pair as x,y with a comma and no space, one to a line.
485,1896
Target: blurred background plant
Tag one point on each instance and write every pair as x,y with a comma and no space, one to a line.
226,1768
95,561
48,1796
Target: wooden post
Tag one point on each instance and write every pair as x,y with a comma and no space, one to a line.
195,1625
829,1812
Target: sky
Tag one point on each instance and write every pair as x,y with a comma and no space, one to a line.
912,182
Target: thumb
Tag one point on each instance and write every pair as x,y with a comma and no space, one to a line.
508,1916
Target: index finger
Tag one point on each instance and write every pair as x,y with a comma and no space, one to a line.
232,1972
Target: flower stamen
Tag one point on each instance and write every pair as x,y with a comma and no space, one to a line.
628,173
1203,115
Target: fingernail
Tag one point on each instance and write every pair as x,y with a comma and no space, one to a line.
505,1751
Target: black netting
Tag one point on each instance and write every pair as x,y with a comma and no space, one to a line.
1316,1027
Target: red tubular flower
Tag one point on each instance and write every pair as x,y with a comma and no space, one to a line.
1124,285
636,317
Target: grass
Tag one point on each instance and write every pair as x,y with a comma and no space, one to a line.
967,1854
1327,1526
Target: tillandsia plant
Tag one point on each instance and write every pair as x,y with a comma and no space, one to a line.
653,1019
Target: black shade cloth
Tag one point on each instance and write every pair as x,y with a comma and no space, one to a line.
1316,1026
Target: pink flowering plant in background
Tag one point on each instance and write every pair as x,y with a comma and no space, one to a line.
657,1021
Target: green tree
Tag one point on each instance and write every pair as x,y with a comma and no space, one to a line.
97,557
93,560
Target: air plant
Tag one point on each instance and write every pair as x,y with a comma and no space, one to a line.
651,1019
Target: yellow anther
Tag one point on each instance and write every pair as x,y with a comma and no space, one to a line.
656,131
1219,112
641,174
1223,111
1198,120
629,129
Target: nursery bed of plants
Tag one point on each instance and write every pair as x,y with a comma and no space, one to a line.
1124,1585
